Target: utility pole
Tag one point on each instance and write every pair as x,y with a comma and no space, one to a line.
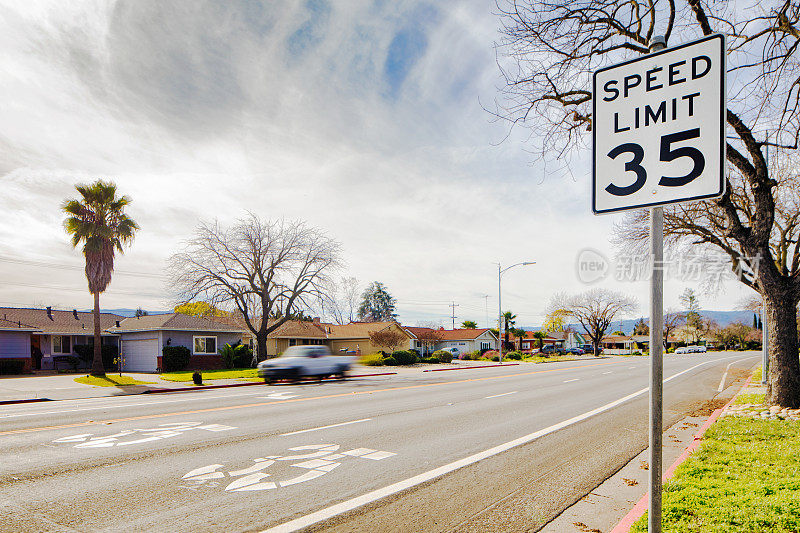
454,305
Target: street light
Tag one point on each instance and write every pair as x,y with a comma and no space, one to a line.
500,271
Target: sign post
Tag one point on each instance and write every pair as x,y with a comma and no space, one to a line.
658,134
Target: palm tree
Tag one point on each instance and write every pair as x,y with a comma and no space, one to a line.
510,319
469,324
540,335
97,220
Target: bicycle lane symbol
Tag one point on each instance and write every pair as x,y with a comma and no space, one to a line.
320,459
128,437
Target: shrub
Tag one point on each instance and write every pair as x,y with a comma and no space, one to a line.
11,367
516,356
197,377
496,358
443,355
390,361
373,359
670,350
404,357
472,356
431,360
175,358
236,355
108,352
415,352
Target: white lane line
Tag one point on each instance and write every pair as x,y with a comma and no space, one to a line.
122,405
631,367
324,427
355,503
569,380
498,395
609,372
725,375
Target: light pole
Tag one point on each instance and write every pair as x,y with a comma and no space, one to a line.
500,271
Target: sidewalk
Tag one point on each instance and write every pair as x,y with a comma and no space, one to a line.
605,506
64,387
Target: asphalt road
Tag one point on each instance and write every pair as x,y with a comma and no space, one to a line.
493,449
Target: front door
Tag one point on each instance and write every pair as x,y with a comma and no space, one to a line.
36,351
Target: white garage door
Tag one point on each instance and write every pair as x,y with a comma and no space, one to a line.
141,355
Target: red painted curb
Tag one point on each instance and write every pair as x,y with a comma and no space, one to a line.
639,509
30,400
204,387
470,367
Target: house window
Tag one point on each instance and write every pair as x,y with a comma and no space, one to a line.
292,342
61,344
485,346
205,345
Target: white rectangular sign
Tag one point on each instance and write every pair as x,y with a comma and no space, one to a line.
658,128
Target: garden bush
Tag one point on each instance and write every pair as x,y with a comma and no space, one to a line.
496,358
516,356
175,358
373,359
108,352
236,355
389,361
197,378
443,355
11,367
404,357
472,356
432,360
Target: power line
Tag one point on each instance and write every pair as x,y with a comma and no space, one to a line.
62,288
62,266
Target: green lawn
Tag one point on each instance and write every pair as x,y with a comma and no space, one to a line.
232,373
541,359
110,380
745,477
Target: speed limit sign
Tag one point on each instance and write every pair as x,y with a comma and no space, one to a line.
658,128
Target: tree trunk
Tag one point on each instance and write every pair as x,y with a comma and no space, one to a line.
783,386
97,361
261,343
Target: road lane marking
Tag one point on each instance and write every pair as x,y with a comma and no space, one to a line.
279,396
324,397
163,431
121,405
631,367
570,380
261,404
498,395
725,375
609,372
324,427
372,496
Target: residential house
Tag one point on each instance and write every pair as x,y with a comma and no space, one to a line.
36,336
295,333
466,340
353,338
142,340
618,345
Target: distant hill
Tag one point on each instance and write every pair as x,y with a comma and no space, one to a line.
126,312
723,318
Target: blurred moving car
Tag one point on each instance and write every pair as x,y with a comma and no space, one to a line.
691,349
576,351
298,362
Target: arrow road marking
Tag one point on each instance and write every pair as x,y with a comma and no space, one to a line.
279,396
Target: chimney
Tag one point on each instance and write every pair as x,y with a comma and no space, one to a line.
117,321
316,320
49,312
75,313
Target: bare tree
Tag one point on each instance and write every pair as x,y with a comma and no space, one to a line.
428,338
262,269
595,309
672,321
343,299
389,337
553,48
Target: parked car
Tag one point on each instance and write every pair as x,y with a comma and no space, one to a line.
552,349
682,349
298,362
453,350
697,349
576,351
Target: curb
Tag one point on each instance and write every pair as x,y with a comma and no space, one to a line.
640,508
204,387
30,400
470,367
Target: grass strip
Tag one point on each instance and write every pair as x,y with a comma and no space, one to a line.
110,380
233,373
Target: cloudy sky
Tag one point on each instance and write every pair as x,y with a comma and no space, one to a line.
365,118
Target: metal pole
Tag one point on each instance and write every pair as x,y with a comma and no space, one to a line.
656,350
499,313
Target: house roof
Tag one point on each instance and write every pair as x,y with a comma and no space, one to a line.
299,329
173,322
58,322
464,334
8,325
617,338
355,330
